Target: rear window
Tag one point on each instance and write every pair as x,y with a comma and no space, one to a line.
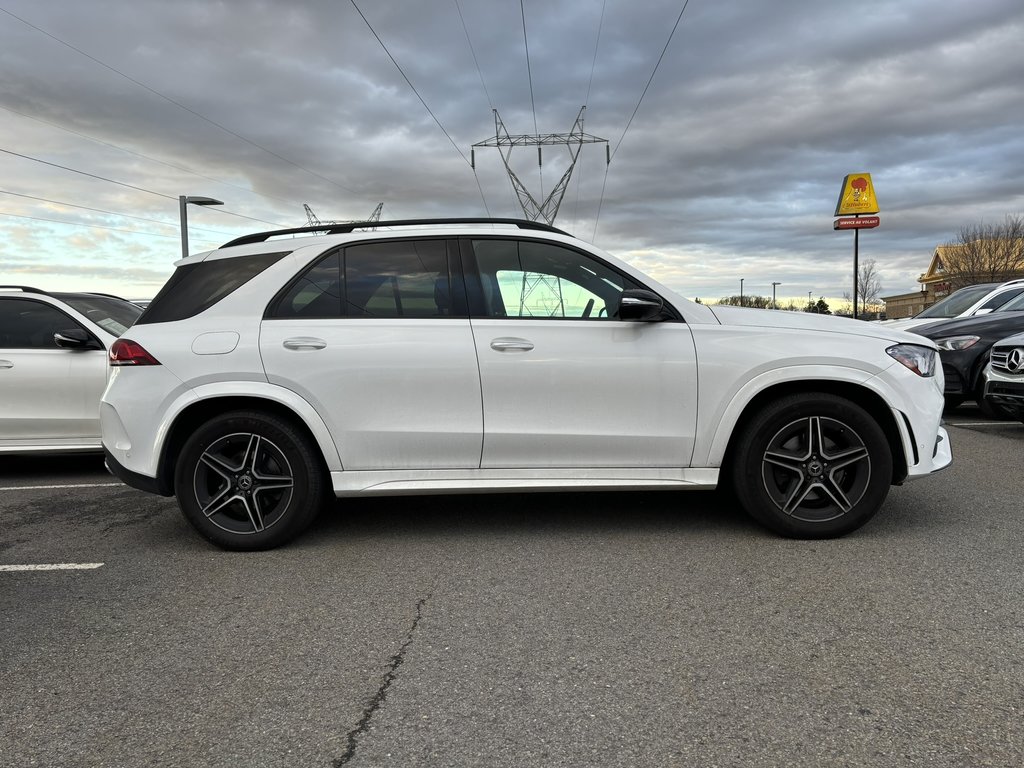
194,288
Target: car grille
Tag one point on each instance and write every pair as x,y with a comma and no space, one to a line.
1000,356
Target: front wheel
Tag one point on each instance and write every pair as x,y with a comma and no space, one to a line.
812,466
249,480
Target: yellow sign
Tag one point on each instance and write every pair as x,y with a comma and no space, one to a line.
857,196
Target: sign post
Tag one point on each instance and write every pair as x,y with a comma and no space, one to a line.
857,197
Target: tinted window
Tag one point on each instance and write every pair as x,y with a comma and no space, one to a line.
407,278
531,279
998,301
316,293
194,288
27,324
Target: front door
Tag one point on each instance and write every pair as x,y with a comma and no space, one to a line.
567,384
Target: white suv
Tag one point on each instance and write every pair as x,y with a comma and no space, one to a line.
53,366
475,355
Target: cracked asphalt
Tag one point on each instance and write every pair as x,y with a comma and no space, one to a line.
610,629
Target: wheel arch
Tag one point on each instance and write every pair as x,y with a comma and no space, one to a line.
866,398
199,411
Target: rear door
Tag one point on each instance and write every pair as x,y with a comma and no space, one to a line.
376,336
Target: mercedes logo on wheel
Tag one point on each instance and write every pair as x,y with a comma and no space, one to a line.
1015,360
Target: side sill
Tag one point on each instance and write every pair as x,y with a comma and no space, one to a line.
399,482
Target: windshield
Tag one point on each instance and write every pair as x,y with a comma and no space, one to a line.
957,302
114,316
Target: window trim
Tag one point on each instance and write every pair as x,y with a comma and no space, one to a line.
74,324
474,281
456,281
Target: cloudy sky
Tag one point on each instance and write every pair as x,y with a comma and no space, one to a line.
729,168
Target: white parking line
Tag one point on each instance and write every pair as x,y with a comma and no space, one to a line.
56,487
52,567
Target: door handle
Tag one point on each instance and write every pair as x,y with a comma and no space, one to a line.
511,345
6,364
305,342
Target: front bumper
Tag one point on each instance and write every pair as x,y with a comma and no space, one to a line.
1006,391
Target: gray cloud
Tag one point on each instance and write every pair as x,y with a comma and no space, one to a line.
729,170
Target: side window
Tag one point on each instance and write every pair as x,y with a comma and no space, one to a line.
317,293
27,324
404,278
532,279
1000,299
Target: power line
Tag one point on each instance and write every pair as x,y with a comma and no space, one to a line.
408,81
84,173
110,213
130,186
91,226
178,104
472,51
651,78
597,43
147,157
533,105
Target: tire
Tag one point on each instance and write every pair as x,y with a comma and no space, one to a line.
248,480
782,473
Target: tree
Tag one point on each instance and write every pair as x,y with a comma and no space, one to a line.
761,302
984,253
869,286
819,307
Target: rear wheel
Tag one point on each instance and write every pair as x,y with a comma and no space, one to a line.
249,480
812,466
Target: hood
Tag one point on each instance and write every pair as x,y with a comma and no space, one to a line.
997,325
778,318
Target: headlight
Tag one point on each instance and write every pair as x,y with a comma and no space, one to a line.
921,360
953,343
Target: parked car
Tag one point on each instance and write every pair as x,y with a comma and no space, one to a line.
53,366
1004,376
472,355
965,345
973,300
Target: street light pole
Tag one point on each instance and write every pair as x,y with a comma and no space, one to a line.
774,305
183,202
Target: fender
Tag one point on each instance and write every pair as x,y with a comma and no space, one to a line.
727,412
258,389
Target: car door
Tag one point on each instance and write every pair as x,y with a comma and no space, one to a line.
48,395
565,382
376,336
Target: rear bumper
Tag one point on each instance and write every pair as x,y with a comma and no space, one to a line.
134,479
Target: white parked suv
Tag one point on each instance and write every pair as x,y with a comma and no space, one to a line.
53,366
472,355
1004,376
979,299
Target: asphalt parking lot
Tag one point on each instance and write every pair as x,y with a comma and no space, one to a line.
611,629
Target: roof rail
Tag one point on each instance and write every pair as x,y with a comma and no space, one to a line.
22,288
346,228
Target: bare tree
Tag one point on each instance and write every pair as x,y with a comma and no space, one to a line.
985,253
869,286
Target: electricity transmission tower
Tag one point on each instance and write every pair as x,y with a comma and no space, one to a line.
574,141
314,221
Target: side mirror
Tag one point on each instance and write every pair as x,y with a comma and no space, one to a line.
74,338
638,304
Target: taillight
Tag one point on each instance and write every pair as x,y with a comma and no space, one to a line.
128,352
